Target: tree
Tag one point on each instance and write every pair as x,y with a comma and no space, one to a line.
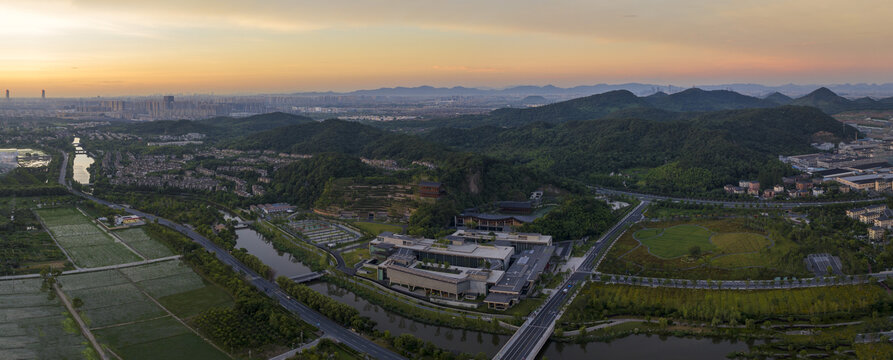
694,251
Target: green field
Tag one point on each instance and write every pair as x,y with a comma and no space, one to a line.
675,241
730,249
24,246
375,228
825,303
32,327
143,243
354,256
120,307
87,244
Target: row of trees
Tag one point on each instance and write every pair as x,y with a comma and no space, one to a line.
254,321
598,301
331,308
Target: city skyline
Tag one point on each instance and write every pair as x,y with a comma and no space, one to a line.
85,48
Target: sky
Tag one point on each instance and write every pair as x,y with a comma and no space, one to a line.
127,47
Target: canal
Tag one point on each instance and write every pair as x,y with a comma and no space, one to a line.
473,342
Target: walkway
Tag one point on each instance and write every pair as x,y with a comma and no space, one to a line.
735,284
101,268
81,324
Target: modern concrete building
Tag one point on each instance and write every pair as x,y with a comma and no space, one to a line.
452,252
437,280
519,241
519,280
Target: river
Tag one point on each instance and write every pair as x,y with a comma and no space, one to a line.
282,263
82,161
473,342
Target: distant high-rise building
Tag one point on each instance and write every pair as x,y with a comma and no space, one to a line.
7,94
168,102
43,94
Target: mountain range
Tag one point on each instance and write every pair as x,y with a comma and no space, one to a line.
641,89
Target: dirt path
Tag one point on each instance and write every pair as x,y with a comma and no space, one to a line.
81,324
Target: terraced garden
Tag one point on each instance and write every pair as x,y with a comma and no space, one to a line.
726,249
33,327
136,311
85,242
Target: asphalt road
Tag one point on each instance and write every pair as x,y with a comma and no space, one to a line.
732,204
270,288
524,344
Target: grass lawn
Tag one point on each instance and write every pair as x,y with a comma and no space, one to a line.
732,243
354,256
675,241
375,228
731,249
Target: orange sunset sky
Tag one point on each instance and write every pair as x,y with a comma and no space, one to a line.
122,47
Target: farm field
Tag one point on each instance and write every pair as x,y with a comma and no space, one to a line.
33,327
24,246
143,243
729,249
87,244
122,309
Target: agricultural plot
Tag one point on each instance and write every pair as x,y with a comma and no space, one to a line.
323,232
120,307
729,249
143,243
33,327
86,243
24,246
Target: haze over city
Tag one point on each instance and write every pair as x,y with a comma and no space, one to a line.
94,47
452,180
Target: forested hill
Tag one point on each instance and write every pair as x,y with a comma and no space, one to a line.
693,155
470,178
341,136
695,99
613,104
218,127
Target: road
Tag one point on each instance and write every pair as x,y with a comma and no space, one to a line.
731,204
527,342
270,288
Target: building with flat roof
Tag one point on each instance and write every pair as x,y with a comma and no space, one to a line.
520,278
519,241
453,252
437,280
270,209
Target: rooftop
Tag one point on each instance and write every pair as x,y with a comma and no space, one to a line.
432,246
527,268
